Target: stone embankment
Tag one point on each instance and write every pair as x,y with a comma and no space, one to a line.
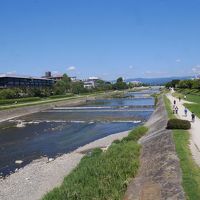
26,110
159,177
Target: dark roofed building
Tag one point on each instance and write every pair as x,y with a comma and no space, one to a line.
8,81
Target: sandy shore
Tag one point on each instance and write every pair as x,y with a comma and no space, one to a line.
41,176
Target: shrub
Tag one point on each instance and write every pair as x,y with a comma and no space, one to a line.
178,124
116,142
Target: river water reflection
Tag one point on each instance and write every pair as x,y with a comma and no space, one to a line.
61,130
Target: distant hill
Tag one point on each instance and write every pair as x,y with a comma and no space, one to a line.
157,81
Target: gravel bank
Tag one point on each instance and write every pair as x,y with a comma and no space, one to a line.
41,176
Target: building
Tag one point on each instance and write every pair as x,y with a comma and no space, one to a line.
93,78
89,84
9,81
58,77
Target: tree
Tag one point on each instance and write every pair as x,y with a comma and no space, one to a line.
103,85
78,87
8,94
120,84
196,84
66,79
185,84
59,87
120,80
175,82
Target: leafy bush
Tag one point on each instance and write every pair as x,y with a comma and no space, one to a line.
116,142
9,93
178,124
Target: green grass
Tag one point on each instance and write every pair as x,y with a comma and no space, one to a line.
155,95
192,95
102,175
190,170
19,100
193,108
48,100
168,108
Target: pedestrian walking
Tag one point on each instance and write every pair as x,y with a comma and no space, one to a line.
185,97
179,99
174,102
193,116
185,111
176,110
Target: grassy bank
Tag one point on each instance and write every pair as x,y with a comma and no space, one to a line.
192,95
193,108
103,175
190,170
168,108
47,100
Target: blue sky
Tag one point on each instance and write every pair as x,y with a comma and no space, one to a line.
106,38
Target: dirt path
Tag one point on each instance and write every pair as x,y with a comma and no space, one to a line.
159,177
195,127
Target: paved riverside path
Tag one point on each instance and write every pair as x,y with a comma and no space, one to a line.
195,126
159,176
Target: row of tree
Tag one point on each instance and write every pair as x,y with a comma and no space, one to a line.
63,87
190,84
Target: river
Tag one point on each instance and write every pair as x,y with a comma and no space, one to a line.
61,130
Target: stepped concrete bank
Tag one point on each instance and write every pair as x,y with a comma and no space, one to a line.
159,176
26,110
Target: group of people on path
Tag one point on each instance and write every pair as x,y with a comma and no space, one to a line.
175,110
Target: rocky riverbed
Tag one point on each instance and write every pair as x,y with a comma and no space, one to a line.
42,175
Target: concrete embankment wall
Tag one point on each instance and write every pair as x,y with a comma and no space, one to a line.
26,110
160,175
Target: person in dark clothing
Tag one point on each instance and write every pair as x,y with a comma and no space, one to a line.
193,116
176,110
174,102
185,111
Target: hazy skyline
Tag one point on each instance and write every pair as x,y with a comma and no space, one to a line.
105,38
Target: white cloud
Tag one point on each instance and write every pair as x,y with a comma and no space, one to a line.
148,72
11,73
130,66
71,68
178,60
196,69
55,72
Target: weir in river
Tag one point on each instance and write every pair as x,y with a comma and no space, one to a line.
63,129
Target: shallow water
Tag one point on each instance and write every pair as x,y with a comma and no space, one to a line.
54,132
